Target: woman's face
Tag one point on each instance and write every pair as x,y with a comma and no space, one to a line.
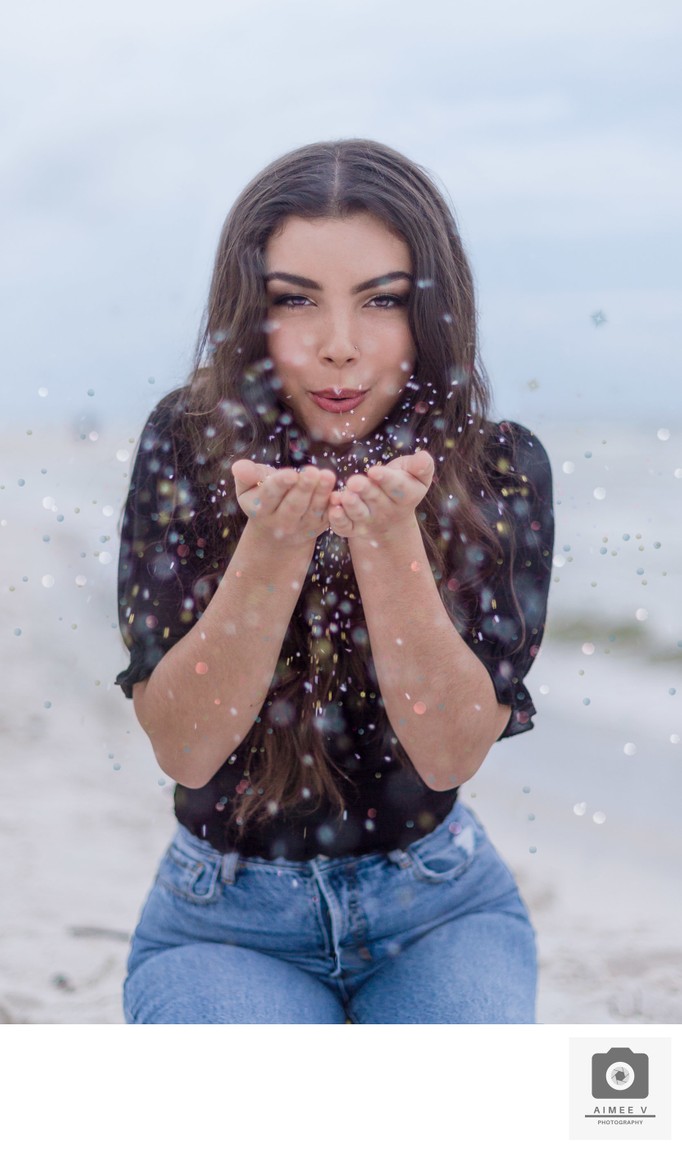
338,329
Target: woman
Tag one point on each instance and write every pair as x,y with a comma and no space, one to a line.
333,579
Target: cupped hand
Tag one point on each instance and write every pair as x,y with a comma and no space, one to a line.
291,507
383,499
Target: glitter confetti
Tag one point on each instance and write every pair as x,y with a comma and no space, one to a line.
599,817
579,808
599,493
419,708
201,668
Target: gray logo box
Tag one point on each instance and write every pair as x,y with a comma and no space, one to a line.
619,1088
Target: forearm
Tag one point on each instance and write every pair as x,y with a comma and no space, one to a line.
203,697
438,696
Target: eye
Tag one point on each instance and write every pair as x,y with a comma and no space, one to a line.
386,302
290,301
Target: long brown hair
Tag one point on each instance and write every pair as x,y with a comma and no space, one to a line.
229,408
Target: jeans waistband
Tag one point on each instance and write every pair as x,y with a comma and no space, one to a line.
231,861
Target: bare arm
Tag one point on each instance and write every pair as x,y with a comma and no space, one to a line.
203,697
438,696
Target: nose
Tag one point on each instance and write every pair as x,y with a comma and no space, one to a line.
337,345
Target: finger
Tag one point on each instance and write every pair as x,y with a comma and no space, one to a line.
393,483
339,520
359,484
268,494
421,466
298,499
319,503
247,473
354,506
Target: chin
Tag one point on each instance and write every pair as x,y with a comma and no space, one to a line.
332,435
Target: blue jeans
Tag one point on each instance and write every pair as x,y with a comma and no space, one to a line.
435,933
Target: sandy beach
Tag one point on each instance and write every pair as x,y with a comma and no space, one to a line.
586,808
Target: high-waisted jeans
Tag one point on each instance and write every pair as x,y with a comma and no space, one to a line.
435,933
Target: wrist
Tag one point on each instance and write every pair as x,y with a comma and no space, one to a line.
403,535
275,545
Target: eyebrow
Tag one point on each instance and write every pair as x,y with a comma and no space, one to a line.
303,281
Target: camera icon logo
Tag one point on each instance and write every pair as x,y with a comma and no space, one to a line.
620,1074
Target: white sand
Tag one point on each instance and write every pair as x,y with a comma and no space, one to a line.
81,839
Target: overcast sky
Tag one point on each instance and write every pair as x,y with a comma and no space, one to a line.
128,130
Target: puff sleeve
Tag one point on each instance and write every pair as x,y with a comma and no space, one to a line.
156,558
508,631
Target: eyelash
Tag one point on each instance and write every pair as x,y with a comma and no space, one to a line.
287,301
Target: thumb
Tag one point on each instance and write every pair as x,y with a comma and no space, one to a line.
420,466
248,473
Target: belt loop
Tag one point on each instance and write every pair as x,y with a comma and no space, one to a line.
400,857
228,870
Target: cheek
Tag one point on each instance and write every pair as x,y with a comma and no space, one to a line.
289,349
409,347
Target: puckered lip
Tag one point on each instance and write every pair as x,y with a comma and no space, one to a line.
340,393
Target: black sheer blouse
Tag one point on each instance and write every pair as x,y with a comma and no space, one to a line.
161,558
